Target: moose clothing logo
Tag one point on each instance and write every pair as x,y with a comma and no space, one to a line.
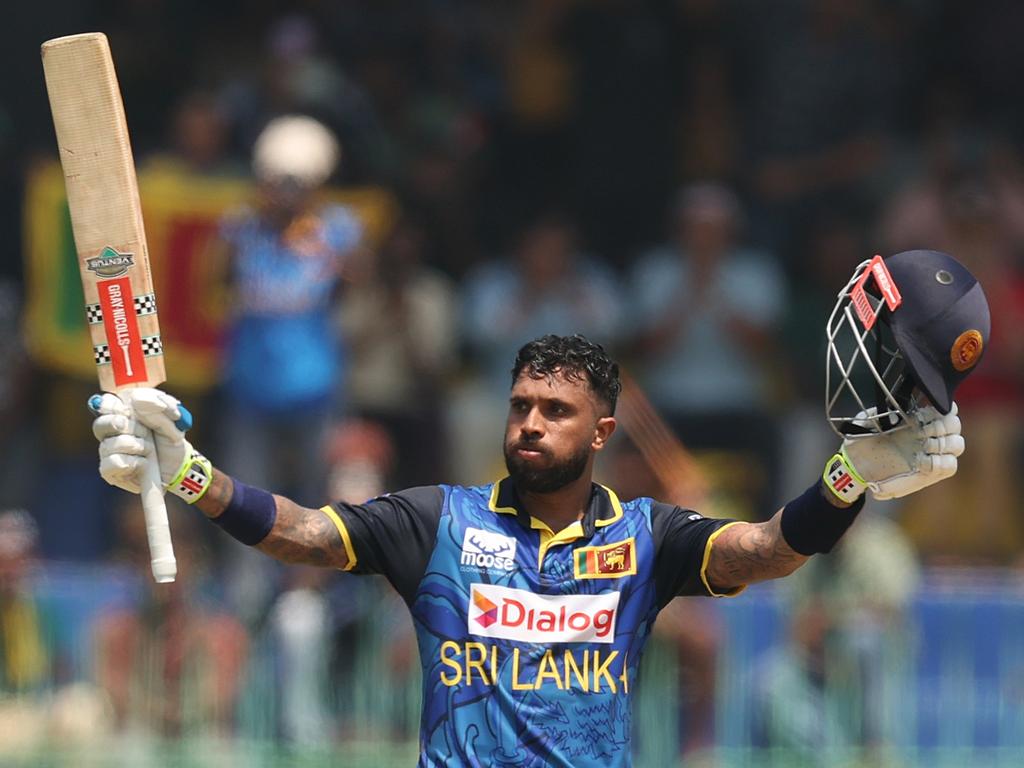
517,614
488,550
611,561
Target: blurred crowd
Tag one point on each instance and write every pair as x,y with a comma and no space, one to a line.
688,182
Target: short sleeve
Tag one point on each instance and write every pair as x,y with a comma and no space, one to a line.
682,540
393,535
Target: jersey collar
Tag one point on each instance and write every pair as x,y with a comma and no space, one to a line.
604,507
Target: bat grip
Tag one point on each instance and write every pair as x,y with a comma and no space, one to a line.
161,552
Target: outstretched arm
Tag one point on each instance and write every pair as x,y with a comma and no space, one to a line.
273,524
748,552
299,535
744,553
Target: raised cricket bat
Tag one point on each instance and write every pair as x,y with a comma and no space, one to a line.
106,218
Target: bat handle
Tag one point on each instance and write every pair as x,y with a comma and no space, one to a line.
161,552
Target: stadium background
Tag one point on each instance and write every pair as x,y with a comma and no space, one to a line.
842,127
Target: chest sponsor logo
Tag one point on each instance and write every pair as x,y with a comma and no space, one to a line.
487,549
516,614
610,561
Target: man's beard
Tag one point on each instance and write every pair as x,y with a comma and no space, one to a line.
545,479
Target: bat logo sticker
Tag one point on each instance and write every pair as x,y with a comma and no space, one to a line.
110,263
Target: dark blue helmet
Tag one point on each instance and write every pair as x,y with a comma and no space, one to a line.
916,323
942,326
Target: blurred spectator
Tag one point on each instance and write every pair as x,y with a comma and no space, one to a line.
709,132
322,623
300,625
296,73
548,286
19,437
623,119
39,707
829,687
169,663
705,311
199,141
400,326
970,202
26,664
284,359
819,108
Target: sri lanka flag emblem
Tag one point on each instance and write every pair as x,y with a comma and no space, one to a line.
610,561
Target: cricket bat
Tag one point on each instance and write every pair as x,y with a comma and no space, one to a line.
106,218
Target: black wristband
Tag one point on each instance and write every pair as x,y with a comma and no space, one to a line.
810,524
250,515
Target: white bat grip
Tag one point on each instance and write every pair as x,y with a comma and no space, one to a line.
161,552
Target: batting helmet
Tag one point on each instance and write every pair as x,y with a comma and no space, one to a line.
914,324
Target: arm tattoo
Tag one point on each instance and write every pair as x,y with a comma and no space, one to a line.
299,535
750,552
303,535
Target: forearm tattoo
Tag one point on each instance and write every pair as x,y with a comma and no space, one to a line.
304,535
299,535
750,552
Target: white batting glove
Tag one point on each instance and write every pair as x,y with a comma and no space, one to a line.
142,425
897,463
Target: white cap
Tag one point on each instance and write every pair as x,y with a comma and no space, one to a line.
295,147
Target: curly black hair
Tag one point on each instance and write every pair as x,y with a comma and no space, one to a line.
576,358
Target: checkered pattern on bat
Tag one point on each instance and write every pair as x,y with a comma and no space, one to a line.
144,305
151,346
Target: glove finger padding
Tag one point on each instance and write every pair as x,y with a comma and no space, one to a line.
113,417
110,425
937,466
158,411
128,445
952,444
944,425
123,459
896,463
109,403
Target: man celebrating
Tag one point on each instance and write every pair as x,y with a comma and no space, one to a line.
533,596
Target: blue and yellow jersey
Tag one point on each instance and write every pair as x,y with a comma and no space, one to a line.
529,639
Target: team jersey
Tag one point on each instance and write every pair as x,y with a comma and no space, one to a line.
529,639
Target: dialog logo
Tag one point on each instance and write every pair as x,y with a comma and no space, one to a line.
487,549
516,614
488,611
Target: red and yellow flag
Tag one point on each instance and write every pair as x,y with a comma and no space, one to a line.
182,213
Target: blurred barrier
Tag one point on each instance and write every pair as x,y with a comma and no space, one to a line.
181,212
947,689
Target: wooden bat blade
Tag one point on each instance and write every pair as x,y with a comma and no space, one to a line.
106,219
106,215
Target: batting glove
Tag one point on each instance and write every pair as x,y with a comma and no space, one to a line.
142,425
897,463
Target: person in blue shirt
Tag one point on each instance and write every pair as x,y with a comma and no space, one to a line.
533,596
283,357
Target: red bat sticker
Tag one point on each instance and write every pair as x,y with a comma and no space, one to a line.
122,331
